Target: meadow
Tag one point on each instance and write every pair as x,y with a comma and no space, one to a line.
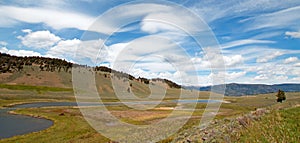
70,126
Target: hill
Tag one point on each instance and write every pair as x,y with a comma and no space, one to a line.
50,72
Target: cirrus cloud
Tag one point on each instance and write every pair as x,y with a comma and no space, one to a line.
57,19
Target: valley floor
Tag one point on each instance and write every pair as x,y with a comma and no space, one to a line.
278,122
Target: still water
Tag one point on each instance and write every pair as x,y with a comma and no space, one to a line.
11,125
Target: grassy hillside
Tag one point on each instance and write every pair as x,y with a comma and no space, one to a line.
278,126
31,75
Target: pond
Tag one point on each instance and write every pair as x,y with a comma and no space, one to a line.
11,125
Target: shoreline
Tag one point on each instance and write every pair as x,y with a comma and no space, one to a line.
13,112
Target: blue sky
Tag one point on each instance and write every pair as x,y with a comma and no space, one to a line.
259,40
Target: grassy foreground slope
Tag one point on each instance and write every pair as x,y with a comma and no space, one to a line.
278,126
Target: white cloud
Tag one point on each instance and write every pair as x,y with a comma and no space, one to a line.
126,54
179,77
175,20
245,42
3,43
153,17
235,75
41,3
39,39
219,77
65,48
290,60
213,10
233,60
23,53
126,14
267,58
262,54
114,50
19,52
155,27
54,18
282,78
267,35
278,19
261,77
81,52
58,18
272,69
272,73
201,63
94,50
296,79
4,50
26,30
297,65
293,34
271,78
295,70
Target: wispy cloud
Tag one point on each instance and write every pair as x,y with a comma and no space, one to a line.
245,42
153,18
214,10
278,19
56,19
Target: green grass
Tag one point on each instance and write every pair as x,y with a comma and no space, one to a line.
279,126
15,94
34,88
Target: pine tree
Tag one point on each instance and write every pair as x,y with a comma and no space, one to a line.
280,96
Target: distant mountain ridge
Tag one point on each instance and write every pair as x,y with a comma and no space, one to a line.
235,89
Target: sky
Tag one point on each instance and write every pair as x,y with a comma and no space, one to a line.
254,41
